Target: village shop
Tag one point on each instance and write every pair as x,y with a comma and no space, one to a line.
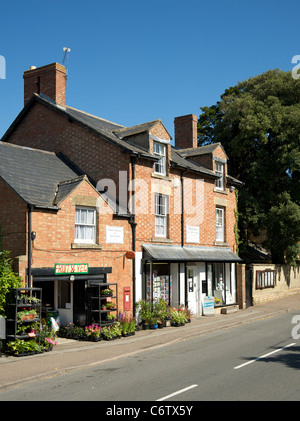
185,276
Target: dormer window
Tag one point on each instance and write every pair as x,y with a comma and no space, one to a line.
219,168
160,166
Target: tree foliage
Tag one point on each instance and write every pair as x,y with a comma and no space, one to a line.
8,279
258,123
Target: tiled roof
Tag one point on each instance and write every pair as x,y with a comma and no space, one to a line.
117,134
33,174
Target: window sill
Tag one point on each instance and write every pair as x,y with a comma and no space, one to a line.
220,191
161,240
86,246
161,177
221,243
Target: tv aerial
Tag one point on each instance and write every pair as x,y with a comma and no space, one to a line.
66,51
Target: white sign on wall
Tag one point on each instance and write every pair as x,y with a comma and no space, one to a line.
114,235
192,234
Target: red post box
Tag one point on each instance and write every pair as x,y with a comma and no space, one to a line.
127,299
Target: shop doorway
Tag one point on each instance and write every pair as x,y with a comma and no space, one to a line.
193,290
63,300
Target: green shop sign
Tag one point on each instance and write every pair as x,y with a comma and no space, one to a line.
70,268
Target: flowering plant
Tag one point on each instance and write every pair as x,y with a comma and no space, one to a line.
92,330
127,323
49,342
178,316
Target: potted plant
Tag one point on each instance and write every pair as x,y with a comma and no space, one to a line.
110,305
47,338
92,332
144,309
108,333
111,318
107,292
132,326
20,347
26,315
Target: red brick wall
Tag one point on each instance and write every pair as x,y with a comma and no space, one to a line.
55,236
45,129
48,80
186,131
13,221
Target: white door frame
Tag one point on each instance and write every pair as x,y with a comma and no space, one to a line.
193,289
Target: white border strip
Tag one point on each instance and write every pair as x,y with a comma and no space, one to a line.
177,393
263,356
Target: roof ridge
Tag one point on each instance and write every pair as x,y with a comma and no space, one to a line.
199,147
26,147
73,180
93,115
158,120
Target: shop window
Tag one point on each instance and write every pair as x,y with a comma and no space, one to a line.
85,225
265,279
158,282
223,283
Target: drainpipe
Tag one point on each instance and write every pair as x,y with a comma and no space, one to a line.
182,232
133,161
30,207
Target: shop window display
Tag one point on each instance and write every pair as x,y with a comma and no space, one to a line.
158,283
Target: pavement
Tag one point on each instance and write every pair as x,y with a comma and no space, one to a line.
69,355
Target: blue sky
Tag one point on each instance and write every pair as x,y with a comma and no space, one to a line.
133,61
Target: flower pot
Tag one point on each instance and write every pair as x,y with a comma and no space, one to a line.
168,323
146,326
95,338
154,326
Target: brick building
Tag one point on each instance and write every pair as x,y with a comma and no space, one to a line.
176,204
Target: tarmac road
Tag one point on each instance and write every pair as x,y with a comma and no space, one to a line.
70,355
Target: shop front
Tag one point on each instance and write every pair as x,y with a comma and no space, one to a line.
66,290
186,276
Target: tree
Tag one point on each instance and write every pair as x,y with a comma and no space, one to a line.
8,279
258,123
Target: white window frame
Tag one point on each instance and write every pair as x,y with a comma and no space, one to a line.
160,150
161,214
83,226
220,169
220,224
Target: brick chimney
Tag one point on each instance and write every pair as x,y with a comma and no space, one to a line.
49,80
186,131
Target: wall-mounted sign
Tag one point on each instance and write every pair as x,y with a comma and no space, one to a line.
192,234
68,268
114,235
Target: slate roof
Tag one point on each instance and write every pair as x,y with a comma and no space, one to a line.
35,175
98,125
201,150
120,136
